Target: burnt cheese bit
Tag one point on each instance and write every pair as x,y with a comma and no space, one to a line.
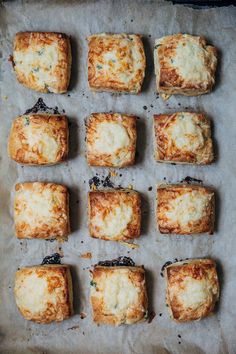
189,180
55,258
94,181
151,316
41,107
169,263
118,262
107,182
165,265
10,59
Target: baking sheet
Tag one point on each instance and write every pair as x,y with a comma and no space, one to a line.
153,19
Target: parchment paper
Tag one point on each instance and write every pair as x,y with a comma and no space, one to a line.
153,19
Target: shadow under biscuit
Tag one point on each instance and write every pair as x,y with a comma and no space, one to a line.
145,214
74,77
76,290
75,208
149,64
150,289
141,141
73,138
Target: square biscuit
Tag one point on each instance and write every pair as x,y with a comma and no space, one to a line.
39,139
118,295
183,137
111,139
44,294
184,64
192,289
185,209
114,215
116,62
42,61
41,210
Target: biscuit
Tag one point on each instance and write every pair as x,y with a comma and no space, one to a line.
111,140
41,210
118,295
114,215
184,64
116,62
42,61
185,209
183,137
44,293
192,289
39,139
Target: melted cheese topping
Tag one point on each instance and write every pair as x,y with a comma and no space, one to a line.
186,133
115,222
41,142
189,59
110,137
119,293
188,207
39,62
35,208
32,293
194,293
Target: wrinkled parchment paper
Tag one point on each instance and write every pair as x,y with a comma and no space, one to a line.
153,19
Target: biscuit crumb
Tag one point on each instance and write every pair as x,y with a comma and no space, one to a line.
112,173
73,327
93,187
130,245
83,315
87,255
165,97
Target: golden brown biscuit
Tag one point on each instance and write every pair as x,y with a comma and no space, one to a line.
44,293
116,62
192,289
39,139
42,61
118,295
111,139
183,137
41,210
184,64
185,209
114,215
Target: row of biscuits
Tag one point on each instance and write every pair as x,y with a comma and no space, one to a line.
184,64
180,137
117,293
41,210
